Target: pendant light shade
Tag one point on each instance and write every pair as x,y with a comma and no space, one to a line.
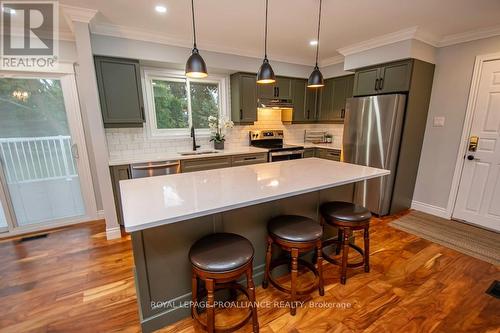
316,78
266,73
195,65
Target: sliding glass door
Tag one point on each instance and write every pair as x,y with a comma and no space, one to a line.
41,151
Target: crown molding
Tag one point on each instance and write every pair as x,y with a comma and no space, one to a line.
77,14
383,40
118,31
469,36
338,59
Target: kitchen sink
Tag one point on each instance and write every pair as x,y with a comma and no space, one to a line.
198,152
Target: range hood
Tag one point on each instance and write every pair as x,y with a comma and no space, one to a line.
275,103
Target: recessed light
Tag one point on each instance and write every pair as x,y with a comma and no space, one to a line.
161,9
313,42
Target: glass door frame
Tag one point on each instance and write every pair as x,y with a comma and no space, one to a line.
75,126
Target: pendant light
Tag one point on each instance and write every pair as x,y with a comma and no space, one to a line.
266,73
195,66
316,78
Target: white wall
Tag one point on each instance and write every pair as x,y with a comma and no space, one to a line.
450,91
334,70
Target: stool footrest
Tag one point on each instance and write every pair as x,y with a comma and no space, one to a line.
302,263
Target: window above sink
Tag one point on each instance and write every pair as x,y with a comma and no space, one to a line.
174,103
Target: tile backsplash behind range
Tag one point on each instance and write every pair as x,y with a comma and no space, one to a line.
123,142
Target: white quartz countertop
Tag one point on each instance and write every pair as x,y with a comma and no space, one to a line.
156,201
144,158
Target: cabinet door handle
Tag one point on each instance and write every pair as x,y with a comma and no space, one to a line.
381,83
241,114
342,113
277,91
143,115
250,158
308,113
376,84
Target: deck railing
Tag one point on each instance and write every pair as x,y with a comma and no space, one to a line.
37,158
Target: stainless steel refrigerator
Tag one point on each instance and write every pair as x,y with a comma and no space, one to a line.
372,137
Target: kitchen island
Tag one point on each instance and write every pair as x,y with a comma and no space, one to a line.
167,214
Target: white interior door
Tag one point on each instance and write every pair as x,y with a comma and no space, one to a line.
478,199
45,174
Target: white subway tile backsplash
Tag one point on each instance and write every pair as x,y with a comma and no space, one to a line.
124,142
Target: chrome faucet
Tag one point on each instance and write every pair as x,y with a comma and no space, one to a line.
194,139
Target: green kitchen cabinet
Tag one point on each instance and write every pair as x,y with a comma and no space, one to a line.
326,104
328,154
342,90
309,152
118,172
312,104
299,99
382,79
248,159
209,163
120,92
281,89
243,98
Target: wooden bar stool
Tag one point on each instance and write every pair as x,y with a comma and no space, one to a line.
347,217
219,260
294,234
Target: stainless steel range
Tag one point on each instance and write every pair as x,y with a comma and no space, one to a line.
273,141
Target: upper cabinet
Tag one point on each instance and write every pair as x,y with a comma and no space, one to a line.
281,89
120,92
243,98
333,98
299,100
388,78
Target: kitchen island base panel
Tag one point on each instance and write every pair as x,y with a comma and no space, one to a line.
162,267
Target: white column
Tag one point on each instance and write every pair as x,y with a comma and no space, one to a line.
79,20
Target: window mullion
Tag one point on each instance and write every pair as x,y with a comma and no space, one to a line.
190,113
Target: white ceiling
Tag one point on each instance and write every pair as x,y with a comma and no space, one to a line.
237,26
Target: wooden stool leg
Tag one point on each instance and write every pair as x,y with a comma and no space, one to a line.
210,285
345,253
269,254
251,297
367,248
295,271
319,267
340,238
194,293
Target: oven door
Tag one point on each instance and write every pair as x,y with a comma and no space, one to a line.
285,155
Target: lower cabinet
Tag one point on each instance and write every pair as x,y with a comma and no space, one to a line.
209,163
328,154
239,160
309,152
118,172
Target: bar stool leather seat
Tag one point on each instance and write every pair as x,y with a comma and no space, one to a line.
345,212
221,252
295,228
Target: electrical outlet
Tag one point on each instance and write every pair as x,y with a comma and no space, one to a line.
438,121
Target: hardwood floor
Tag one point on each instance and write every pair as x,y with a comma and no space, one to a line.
76,281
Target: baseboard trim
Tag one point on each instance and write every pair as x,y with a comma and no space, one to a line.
113,233
430,209
100,214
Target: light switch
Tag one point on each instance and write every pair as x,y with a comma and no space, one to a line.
438,121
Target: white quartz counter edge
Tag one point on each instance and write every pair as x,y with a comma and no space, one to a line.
218,209
177,156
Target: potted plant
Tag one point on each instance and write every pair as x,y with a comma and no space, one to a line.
218,127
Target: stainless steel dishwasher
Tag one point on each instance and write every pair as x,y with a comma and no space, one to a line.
151,169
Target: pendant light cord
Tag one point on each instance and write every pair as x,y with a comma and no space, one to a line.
194,27
265,34
319,25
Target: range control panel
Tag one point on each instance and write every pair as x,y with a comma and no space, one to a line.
266,134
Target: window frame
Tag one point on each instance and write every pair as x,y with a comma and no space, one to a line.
150,74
